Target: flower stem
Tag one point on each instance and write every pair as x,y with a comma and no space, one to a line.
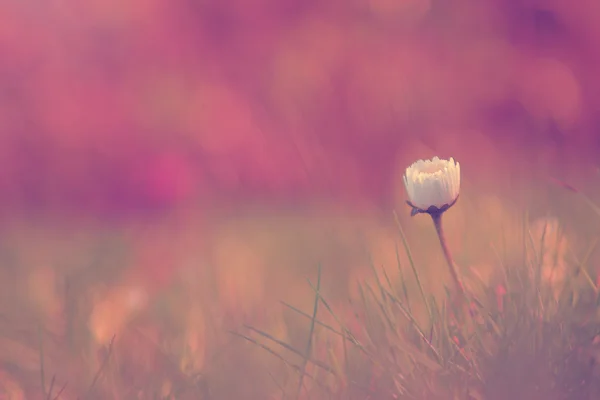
437,221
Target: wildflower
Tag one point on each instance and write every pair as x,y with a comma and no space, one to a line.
432,185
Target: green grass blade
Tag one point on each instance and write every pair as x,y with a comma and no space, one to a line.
413,266
310,334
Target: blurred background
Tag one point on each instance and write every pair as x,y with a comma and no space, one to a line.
181,166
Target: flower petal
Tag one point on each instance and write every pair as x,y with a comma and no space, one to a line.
434,182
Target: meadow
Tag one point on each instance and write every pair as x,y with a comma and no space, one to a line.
204,200
92,313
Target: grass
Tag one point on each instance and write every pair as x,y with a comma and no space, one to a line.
524,339
520,336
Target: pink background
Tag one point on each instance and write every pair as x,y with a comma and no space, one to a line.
121,106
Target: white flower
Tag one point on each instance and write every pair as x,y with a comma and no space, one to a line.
432,182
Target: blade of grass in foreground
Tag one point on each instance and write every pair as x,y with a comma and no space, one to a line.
414,268
402,279
347,333
310,333
384,303
411,349
289,348
324,325
368,328
388,280
419,331
297,368
269,350
382,308
337,368
342,335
